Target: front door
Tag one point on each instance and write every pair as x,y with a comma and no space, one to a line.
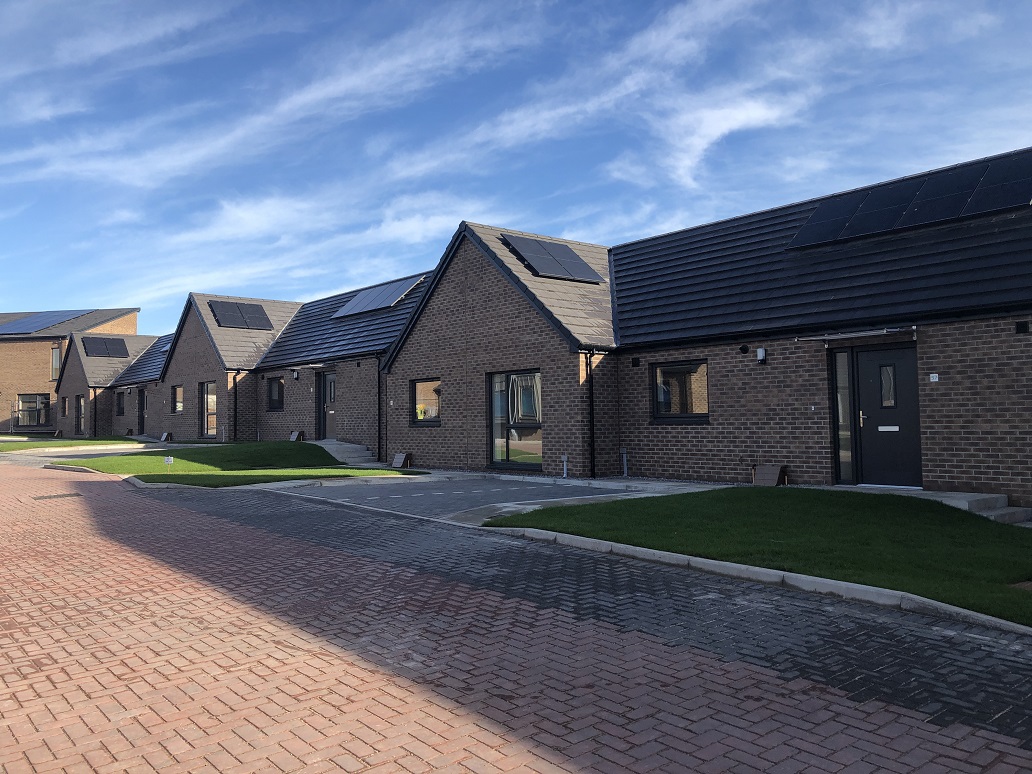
887,419
141,411
328,405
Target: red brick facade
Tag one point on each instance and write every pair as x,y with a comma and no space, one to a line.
777,412
474,324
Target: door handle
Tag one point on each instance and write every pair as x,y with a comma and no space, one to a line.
862,418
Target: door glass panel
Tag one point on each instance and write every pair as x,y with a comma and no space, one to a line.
843,417
525,445
498,416
888,386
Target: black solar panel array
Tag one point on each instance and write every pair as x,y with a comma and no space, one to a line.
552,259
147,367
41,320
379,297
96,346
316,334
970,189
233,314
736,278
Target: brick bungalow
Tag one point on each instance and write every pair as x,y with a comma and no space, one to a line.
32,348
322,374
207,387
877,336
86,405
504,363
129,403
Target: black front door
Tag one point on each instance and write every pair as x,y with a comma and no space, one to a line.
141,411
328,405
887,419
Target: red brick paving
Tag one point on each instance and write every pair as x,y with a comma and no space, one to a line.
115,661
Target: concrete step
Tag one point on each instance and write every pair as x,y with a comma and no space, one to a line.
348,453
974,502
1008,515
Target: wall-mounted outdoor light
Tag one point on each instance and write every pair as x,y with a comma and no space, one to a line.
295,375
761,355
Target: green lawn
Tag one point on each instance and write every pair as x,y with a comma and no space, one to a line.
232,464
55,443
895,542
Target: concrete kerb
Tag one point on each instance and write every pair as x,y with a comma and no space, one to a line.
844,590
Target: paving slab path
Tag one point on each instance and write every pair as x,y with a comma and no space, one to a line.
247,631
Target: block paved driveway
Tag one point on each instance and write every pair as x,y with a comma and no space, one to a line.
181,630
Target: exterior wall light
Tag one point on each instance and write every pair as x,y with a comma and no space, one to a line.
761,355
295,375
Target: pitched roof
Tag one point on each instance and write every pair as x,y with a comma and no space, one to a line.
740,276
148,364
102,371
237,348
57,322
314,335
580,311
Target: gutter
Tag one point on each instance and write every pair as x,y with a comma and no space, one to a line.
381,398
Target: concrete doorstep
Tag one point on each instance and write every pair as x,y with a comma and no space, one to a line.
853,591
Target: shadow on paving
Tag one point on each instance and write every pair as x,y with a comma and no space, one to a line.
384,588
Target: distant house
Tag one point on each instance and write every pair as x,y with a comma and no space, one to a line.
129,401
32,348
322,374
207,388
503,364
86,407
877,336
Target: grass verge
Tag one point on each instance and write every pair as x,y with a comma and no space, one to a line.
231,465
891,541
56,443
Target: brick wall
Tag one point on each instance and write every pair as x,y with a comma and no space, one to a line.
73,383
476,323
192,362
976,420
357,394
25,369
123,325
773,413
300,405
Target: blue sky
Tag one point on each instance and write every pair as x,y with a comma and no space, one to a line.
295,150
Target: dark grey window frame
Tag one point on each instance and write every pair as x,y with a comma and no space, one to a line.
274,404
694,418
413,420
178,406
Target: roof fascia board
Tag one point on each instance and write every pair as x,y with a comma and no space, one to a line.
435,278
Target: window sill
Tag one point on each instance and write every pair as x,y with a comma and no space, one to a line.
424,423
274,411
690,420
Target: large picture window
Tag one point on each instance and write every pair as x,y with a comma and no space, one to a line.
681,392
33,410
516,419
275,387
426,402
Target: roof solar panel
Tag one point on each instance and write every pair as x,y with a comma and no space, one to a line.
232,314
934,210
1000,197
552,259
96,346
255,317
378,297
1009,169
899,194
837,207
818,232
38,321
951,182
873,222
